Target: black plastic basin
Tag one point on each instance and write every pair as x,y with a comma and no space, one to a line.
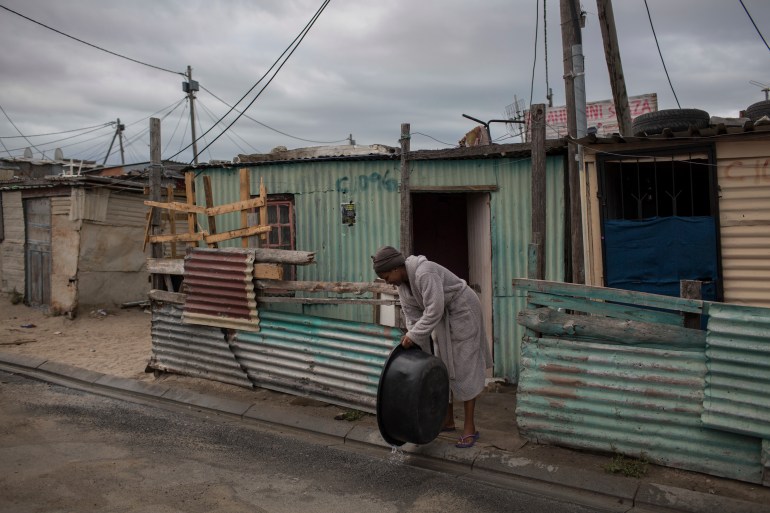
412,396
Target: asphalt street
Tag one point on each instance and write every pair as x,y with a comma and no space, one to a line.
68,450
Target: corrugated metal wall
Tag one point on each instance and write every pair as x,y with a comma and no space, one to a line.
335,361
744,211
738,360
629,400
330,360
343,252
12,246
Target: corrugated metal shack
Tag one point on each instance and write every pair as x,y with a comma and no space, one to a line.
618,371
471,211
71,241
684,205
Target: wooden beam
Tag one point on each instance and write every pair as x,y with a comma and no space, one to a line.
167,297
322,286
171,219
245,190
406,193
325,301
210,203
189,183
233,234
176,205
179,237
234,207
268,271
165,266
552,322
538,193
263,208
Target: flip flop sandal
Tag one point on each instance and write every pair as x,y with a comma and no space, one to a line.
471,441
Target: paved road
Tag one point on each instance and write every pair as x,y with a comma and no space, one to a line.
68,451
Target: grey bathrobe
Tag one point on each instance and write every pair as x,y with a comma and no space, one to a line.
436,299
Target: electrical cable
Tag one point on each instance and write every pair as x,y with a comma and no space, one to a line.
92,45
184,110
534,59
25,138
295,44
269,127
213,117
661,54
43,144
755,25
431,137
198,119
62,132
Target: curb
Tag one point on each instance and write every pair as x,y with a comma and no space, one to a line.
486,463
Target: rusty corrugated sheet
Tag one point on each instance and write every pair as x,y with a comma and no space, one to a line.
335,361
190,350
220,288
629,400
738,363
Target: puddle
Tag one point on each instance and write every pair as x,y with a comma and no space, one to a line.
397,456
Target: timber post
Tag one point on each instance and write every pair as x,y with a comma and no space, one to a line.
406,198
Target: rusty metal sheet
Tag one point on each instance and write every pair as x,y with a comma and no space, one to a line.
738,363
190,350
220,289
330,360
629,400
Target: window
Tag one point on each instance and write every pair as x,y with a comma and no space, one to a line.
280,217
638,187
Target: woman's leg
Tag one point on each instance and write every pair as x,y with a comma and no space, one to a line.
469,427
449,420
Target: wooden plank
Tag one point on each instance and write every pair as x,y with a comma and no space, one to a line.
275,256
263,208
597,307
268,271
171,219
147,230
179,237
176,206
210,203
233,234
322,286
166,296
538,190
325,301
552,322
165,266
189,182
245,190
607,294
235,207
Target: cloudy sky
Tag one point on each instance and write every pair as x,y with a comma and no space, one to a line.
363,68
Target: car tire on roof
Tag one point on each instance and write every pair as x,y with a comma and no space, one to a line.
677,120
757,110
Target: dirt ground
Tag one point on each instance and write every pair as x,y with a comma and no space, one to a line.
118,342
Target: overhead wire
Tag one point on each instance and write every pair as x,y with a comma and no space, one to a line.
268,126
534,58
755,25
62,132
92,45
290,49
213,118
649,16
47,143
20,133
431,137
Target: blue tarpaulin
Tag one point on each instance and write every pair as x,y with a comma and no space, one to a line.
653,255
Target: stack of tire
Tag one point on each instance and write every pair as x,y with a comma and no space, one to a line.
676,120
756,111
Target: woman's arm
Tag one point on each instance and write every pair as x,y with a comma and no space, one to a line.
431,287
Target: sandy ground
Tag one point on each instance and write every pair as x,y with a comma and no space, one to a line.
115,342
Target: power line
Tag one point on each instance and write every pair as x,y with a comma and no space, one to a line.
431,137
213,117
62,132
755,25
267,126
534,55
21,134
661,54
47,143
293,46
91,45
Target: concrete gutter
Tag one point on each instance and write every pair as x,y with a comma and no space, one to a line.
484,463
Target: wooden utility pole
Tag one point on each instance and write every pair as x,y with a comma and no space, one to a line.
156,171
190,87
538,239
571,42
614,66
406,198
121,127
119,135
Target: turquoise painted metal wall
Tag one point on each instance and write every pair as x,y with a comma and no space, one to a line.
511,213
343,253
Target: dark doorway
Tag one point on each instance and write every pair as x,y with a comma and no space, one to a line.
440,230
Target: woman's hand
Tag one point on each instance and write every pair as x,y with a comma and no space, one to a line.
406,342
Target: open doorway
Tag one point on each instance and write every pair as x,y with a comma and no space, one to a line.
453,229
